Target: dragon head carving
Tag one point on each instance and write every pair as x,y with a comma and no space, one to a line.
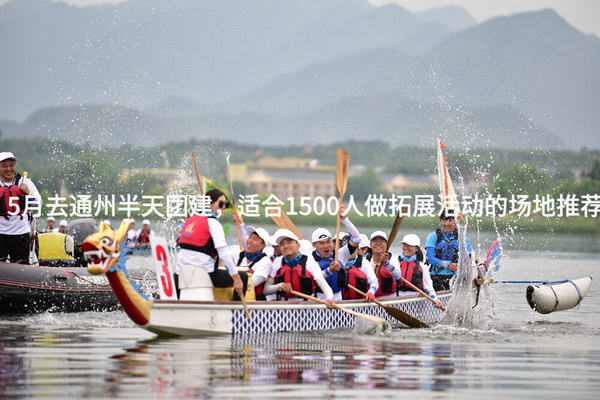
101,250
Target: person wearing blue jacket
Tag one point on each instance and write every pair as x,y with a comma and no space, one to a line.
442,251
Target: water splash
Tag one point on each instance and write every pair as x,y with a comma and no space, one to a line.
460,311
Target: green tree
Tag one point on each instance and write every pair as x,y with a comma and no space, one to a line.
522,180
361,186
91,174
141,183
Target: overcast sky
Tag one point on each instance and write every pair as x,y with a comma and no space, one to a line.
583,14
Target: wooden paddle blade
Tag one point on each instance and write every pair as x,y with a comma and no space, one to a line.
283,221
341,176
400,315
405,318
395,228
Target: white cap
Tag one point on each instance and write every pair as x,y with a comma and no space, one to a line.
63,222
364,241
411,239
320,234
306,247
146,222
131,220
106,222
50,219
7,155
262,233
341,235
284,233
379,233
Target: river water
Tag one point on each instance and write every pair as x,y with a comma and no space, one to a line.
517,354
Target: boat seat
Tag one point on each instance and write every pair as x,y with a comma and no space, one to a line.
195,284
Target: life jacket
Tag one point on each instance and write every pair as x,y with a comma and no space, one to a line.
337,280
356,278
258,290
412,272
298,276
144,237
10,198
387,283
195,235
446,249
55,246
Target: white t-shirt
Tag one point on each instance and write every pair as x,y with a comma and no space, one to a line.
199,259
261,270
19,224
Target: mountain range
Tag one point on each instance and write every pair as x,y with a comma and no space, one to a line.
281,71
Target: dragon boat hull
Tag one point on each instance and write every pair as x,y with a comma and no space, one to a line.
33,289
547,298
202,318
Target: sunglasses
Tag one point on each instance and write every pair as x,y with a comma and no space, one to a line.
224,204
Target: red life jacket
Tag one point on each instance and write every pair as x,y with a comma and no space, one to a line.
387,283
258,290
358,279
412,272
144,237
10,198
195,235
298,276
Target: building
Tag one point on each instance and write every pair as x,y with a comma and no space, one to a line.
286,177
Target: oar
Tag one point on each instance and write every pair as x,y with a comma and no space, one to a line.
481,281
237,226
198,177
371,318
400,315
283,221
422,293
341,180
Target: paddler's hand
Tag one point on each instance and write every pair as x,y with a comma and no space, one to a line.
23,186
341,212
286,287
237,219
334,266
369,297
330,303
437,303
385,257
238,285
453,267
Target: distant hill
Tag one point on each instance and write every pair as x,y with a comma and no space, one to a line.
150,71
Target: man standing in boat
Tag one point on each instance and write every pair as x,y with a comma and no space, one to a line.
294,271
16,194
442,251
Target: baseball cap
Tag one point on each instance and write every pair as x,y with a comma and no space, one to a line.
50,219
284,233
364,241
379,233
262,233
306,247
146,222
320,234
7,155
63,222
411,239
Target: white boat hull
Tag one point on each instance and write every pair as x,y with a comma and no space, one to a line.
197,318
547,298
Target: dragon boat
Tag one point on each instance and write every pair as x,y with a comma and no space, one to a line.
187,317
59,281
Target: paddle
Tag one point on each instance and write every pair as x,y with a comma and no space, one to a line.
371,318
400,315
341,180
422,293
197,171
237,227
283,221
